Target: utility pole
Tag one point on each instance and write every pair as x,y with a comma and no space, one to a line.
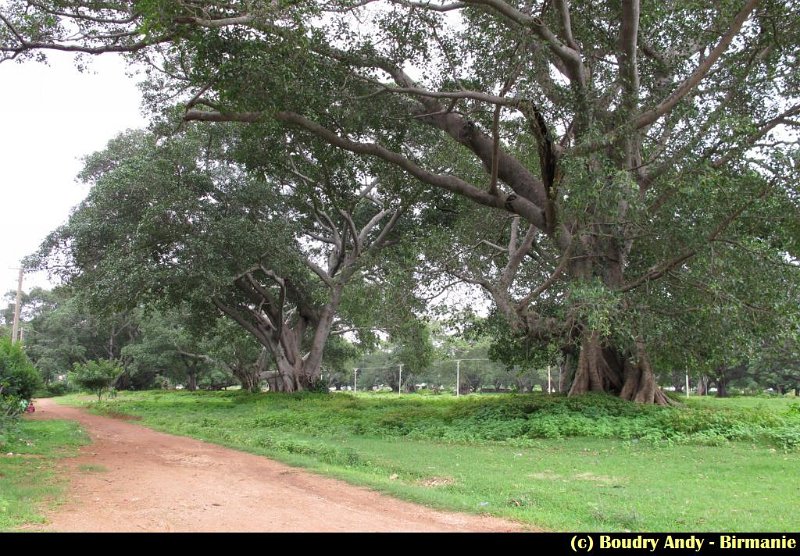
458,373
458,377
400,382
355,380
17,303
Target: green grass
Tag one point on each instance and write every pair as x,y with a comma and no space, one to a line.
28,457
590,463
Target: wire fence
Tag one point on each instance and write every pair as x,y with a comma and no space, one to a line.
458,375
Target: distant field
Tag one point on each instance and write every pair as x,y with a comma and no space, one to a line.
590,463
27,469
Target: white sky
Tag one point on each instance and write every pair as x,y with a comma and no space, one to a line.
52,116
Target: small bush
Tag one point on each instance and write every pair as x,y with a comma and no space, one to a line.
96,376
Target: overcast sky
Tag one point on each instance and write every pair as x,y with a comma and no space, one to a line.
52,116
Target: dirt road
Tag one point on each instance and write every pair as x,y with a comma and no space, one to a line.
131,478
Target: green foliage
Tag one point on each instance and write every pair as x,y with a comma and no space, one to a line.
11,407
511,348
412,347
659,205
18,377
55,389
200,222
61,331
597,306
319,386
518,420
96,376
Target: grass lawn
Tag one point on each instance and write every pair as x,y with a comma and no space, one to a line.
591,463
28,457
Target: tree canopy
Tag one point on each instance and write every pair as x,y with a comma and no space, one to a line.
189,221
628,173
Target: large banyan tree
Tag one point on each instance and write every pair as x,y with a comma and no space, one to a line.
638,149
292,252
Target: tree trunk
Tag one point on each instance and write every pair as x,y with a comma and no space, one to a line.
606,369
286,377
123,381
567,368
294,377
248,377
297,369
678,381
702,386
722,387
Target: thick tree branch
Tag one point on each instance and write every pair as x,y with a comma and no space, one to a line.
566,24
208,116
328,223
570,57
320,238
369,226
318,271
265,305
685,88
512,203
430,6
470,280
351,226
453,95
701,71
516,253
242,321
627,44
244,19
26,45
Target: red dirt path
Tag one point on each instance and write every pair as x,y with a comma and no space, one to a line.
131,478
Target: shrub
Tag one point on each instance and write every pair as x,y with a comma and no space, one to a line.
787,438
54,389
18,376
96,376
10,409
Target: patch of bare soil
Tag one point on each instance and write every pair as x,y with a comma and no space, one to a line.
160,482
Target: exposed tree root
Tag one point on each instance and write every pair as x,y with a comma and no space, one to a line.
605,369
